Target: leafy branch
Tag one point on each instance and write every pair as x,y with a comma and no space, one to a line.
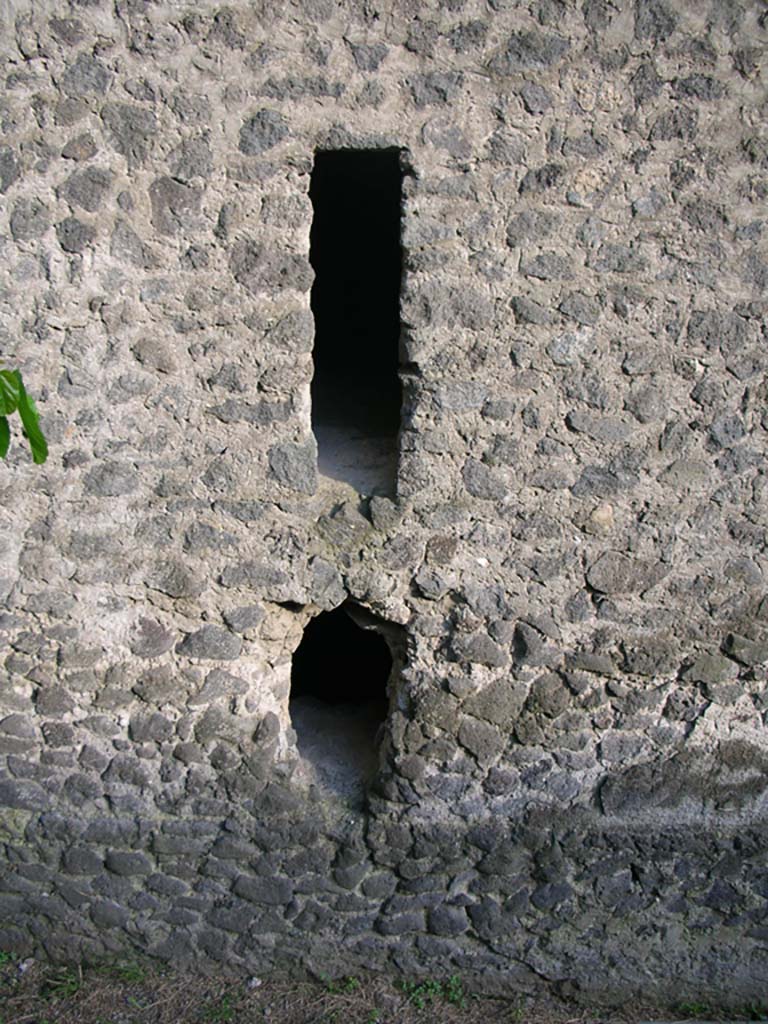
14,398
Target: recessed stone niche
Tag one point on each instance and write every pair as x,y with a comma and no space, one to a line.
344,677
355,254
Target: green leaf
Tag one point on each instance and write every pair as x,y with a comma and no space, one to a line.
10,390
5,437
29,417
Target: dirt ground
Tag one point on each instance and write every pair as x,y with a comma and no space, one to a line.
141,993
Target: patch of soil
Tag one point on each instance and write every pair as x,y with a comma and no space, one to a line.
140,992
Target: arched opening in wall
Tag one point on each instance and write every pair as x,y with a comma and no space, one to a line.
339,700
355,253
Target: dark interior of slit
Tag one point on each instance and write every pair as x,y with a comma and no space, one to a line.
355,253
339,699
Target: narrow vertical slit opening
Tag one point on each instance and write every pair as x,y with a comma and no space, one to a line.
339,698
355,253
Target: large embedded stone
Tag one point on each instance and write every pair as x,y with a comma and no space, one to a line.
297,87
219,685
86,76
176,579
479,649
745,651
260,269
295,465
108,914
528,311
74,236
130,130
22,794
174,205
678,123
127,863
262,413
192,158
549,696
152,728
536,99
244,619
327,588
158,686
189,753
646,83
267,891
446,920
529,50
568,348
712,668
128,770
10,168
530,226
262,131
272,583
19,726
584,309
29,219
294,332
608,429
435,87
58,734
548,266
345,526
718,330
542,178
655,20
652,655
111,480
126,247
53,701
82,860
481,481
482,739
151,639
368,57
211,643
81,147
88,188
616,573
500,702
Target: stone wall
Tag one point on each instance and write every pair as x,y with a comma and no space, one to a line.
573,771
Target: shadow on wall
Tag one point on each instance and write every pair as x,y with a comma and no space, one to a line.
341,684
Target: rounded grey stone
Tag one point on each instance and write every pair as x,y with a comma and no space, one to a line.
295,465
108,914
151,639
88,188
152,728
211,643
262,131
111,480
74,236
125,863
29,219
10,169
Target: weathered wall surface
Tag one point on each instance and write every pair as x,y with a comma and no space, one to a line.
573,776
